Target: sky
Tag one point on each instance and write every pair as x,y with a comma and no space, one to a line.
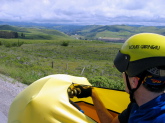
86,12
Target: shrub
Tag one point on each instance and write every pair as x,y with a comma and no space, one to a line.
7,44
20,44
13,44
65,43
99,81
102,81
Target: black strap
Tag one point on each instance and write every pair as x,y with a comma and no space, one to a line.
131,91
127,81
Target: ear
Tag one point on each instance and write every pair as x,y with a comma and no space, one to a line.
134,82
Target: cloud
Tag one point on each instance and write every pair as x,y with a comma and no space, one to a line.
83,11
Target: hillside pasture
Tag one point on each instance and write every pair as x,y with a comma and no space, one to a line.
38,58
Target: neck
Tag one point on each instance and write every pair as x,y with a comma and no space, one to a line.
143,96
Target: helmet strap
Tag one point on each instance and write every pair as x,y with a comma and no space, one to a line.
131,91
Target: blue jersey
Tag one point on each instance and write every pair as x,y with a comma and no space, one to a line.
150,112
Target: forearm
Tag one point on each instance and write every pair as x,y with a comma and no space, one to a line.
103,114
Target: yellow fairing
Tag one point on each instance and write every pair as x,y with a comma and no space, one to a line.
47,101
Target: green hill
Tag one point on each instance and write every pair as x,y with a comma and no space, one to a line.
115,33
35,33
108,33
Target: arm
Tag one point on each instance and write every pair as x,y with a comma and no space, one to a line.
103,114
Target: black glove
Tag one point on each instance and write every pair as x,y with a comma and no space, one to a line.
83,91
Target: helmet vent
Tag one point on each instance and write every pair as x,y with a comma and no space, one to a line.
162,73
157,72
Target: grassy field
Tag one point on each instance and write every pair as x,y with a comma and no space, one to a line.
34,59
40,52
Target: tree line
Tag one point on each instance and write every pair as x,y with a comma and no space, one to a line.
10,34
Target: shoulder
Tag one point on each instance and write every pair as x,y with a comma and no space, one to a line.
124,116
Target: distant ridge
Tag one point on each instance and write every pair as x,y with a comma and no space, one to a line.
35,33
8,27
112,33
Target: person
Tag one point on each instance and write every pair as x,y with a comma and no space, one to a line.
141,60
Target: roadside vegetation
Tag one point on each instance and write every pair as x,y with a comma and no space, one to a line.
27,60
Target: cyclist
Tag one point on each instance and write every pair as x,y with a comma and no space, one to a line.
141,60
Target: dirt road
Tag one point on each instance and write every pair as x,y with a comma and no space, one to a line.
9,88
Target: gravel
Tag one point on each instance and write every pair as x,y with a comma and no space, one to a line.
9,89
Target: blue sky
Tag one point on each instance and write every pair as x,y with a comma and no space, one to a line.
104,12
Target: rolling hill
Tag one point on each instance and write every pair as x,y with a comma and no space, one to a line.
35,33
113,33
108,33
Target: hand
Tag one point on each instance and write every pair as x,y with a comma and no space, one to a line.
83,91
